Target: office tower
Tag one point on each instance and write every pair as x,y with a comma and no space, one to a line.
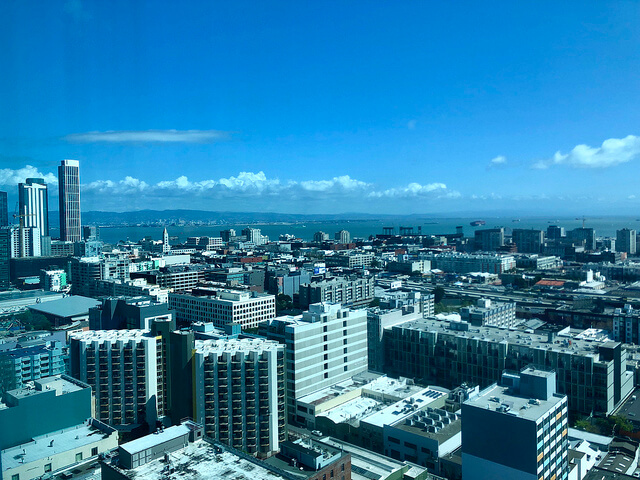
325,346
33,204
588,235
254,235
26,242
5,255
125,369
489,239
528,241
320,237
239,393
4,210
69,198
227,235
165,241
555,232
343,236
517,430
626,241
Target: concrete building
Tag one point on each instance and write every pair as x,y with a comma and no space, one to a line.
205,243
26,242
222,307
125,369
4,210
350,291
517,430
349,260
87,271
325,345
626,325
593,375
131,313
57,451
182,450
33,202
27,412
490,314
626,241
554,232
175,277
65,311
138,287
320,237
240,393
69,198
254,235
343,236
410,267
53,280
528,240
537,262
586,235
24,364
454,262
489,239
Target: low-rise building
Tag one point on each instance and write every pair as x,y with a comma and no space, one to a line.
489,313
351,291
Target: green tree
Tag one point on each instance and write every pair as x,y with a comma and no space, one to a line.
283,302
438,294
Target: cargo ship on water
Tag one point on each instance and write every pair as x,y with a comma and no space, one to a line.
478,223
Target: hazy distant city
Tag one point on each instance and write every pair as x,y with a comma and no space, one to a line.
319,241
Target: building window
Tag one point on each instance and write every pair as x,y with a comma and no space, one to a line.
47,467
342,468
15,477
79,457
94,451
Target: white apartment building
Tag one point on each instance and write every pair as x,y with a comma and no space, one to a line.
224,307
240,393
125,370
469,262
488,313
325,346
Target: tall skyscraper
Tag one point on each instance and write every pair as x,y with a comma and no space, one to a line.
33,202
69,197
4,210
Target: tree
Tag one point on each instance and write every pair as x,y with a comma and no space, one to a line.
283,302
438,294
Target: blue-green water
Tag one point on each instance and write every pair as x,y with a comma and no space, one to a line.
604,226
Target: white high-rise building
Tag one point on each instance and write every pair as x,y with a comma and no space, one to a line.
125,371
240,393
25,242
69,198
326,345
33,202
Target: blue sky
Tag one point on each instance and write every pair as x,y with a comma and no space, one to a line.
392,107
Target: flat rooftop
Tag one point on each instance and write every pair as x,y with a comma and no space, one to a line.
109,335
199,460
236,345
153,439
497,397
51,444
402,409
569,342
55,382
66,307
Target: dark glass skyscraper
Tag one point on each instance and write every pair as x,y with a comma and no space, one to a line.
4,210
69,195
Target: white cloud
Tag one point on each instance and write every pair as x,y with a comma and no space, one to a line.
10,176
498,161
413,190
631,197
343,183
613,151
149,136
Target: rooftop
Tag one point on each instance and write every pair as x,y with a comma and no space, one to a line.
236,345
568,342
157,438
110,335
66,307
54,443
498,399
61,384
200,460
403,409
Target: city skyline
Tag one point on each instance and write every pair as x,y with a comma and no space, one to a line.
411,108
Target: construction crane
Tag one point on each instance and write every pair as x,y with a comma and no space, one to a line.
583,218
21,216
